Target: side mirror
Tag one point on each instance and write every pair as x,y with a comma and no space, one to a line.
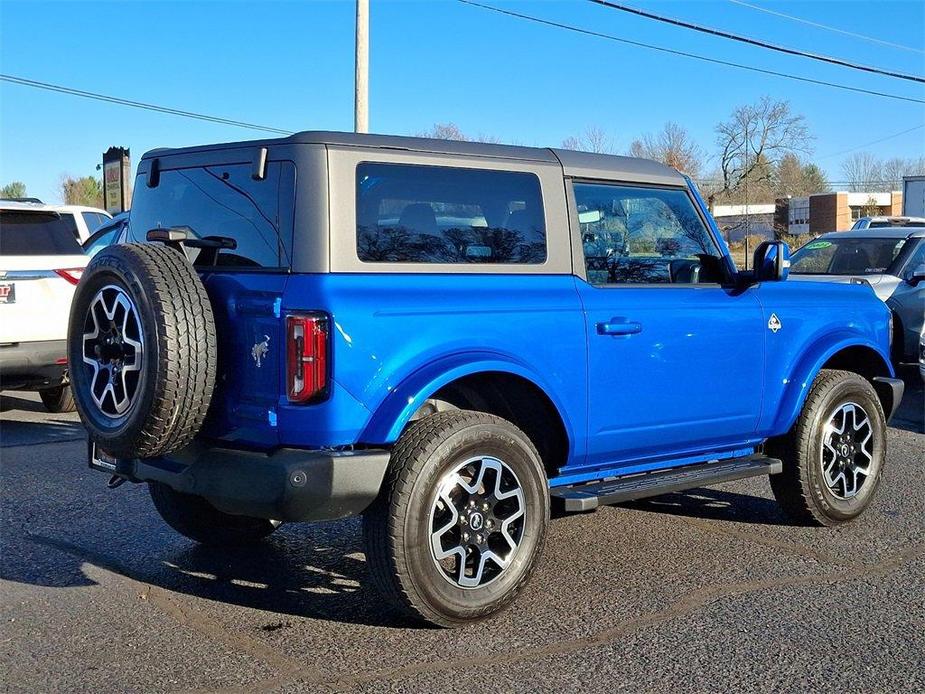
916,275
771,261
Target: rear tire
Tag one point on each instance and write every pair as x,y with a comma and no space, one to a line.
197,519
834,453
59,399
458,527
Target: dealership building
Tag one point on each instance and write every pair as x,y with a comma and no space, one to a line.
816,214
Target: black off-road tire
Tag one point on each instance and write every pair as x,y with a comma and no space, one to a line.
195,518
58,399
396,526
801,489
179,365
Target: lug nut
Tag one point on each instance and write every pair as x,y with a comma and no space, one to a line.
479,539
463,520
466,537
489,523
485,507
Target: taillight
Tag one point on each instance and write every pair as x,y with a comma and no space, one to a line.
306,356
72,275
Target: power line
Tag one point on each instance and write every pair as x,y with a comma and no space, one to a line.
695,56
874,142
801,20
138,104
756,42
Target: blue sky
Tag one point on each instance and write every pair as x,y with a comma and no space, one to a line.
290,65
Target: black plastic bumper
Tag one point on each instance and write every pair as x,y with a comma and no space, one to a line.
890,391
286,485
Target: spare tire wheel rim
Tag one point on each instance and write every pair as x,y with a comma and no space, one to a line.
847,450
476,521
113,350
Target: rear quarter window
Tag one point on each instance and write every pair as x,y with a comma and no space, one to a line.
223,200
408,213
37,233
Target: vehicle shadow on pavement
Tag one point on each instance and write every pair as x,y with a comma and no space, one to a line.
714,504
13,402
296,574
19,433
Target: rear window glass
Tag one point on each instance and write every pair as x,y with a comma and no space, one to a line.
37,233
435,214
223,200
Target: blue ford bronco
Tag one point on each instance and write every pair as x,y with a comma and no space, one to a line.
450,339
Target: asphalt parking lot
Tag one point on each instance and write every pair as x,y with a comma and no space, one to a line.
705,590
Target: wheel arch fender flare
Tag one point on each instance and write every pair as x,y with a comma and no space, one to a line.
395,411
813,360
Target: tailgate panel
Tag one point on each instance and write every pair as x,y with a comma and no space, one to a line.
251,356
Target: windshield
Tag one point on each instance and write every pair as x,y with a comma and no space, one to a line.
845,256
37,233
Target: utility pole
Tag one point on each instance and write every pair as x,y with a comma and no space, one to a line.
361,82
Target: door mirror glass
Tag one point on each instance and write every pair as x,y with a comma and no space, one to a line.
772,261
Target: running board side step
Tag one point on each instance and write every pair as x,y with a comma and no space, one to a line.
587,497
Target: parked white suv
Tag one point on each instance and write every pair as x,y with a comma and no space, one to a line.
887,222
40,264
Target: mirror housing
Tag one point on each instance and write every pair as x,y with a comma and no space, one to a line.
771,261
916,276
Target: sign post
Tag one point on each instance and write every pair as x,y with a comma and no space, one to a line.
117,171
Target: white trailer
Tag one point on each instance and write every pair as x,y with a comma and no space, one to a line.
914,196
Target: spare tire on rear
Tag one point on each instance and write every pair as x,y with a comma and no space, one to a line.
141,350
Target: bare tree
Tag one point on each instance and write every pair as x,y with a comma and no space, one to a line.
755,137
451,131
673,146
893,170
863,171
593,139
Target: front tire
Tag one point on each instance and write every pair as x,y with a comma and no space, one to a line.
197,519
834,453
459,524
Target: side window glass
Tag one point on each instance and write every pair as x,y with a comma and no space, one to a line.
638,235
435,214
916,260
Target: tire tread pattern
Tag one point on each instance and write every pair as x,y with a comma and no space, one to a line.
383,521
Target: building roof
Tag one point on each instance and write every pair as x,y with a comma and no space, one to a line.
577,164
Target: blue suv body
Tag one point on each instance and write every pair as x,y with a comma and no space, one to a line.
363,288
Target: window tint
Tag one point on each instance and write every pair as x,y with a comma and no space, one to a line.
432,214
37,233
636,235
223,200
94,220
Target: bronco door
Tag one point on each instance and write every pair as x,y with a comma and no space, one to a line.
675,356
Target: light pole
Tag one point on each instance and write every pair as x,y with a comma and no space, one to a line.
361,82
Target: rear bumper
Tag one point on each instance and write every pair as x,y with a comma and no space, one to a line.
890,392
286,485
32,364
